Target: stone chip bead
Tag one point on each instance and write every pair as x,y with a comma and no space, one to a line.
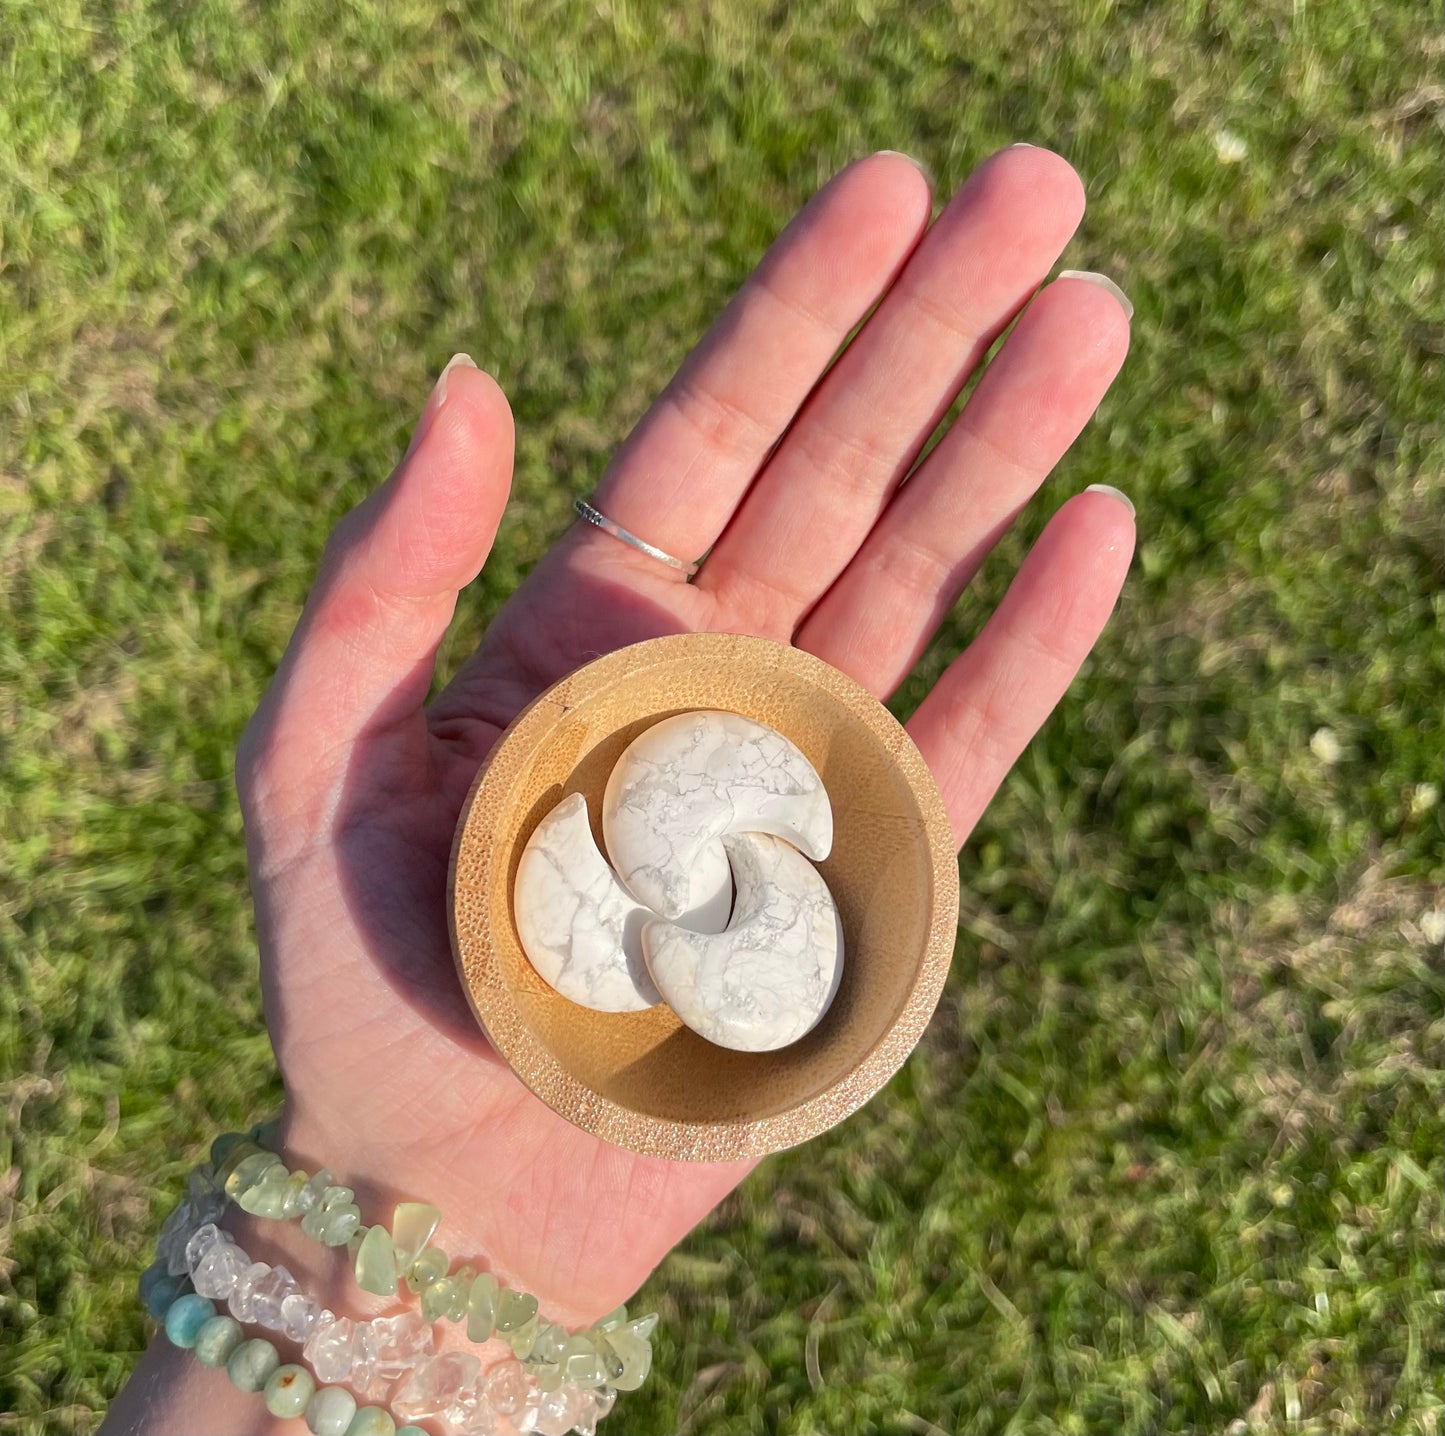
219,1269
202,1204
242,1299
581,1362
597,1404
185,1317
435,1385
268,1295
223,1146
376,1262
506,1388
250,1365
296,1185
288,1390
400,1343
159,1288
430,1266
330,1410
330,1347
332,1220
557,1410
266,1133
521,1339
267,1197
413,1224
445,1299
632,1359
249,1171
482,1308
235,1155
313,1191
299,1315
217,1339
514,1309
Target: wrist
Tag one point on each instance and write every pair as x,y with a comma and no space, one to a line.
170,1390
476,1223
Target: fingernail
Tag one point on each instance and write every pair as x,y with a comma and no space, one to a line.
916,163
1113,493
1022,145
457,361
1104,282
435,400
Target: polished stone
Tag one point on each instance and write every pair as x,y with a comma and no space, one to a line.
402,1342
217,1339
221,1265
689,780
330,1348
376,1262
185,1317
413,1225
299,1315
482,1308
242,1299
767,980
268,1296
330,1410
581,928
250,1365
435,1385
372,1421
158,1289
288,1390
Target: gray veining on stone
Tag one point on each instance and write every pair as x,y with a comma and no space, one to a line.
768,978
690,779
580,927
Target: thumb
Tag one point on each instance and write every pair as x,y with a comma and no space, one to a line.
360,662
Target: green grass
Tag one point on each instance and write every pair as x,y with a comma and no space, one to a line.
1170,1157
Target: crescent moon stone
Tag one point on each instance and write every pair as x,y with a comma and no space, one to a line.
769,977
579,926
689,780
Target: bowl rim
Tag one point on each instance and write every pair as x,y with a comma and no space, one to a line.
533,1062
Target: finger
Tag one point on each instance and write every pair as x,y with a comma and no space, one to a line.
681,473
1036,395
981,714
860,432
360,662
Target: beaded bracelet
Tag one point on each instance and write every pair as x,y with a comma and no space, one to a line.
567,1381
615,1352
191,1321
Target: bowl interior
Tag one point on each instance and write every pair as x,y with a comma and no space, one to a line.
641,1071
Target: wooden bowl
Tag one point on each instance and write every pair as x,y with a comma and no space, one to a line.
642,1080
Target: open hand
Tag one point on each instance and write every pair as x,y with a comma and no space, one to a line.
789,471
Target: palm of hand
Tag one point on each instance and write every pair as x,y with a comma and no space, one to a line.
352,787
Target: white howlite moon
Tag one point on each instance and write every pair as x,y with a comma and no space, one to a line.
689,780
580,927
769,977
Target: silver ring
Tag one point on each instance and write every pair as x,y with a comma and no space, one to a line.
598,519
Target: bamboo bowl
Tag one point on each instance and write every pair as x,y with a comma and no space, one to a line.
642,1080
